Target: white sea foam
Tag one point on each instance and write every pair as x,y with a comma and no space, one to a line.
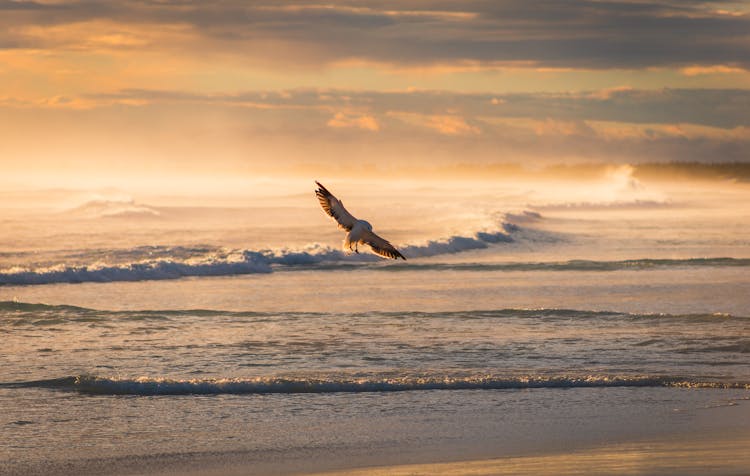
245,262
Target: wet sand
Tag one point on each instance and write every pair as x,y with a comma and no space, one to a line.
710,439
699,457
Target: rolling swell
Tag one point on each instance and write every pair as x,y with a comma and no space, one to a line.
573,265
20,310
253,262
178,262
146,386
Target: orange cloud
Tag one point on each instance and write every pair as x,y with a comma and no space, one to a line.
609,93
429,14
620,130
451,125
541,127
101,35
561,128
731,13
698,70
52,102
343,120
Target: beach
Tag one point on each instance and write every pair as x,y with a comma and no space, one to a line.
374,238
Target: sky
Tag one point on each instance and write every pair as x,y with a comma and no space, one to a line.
109,92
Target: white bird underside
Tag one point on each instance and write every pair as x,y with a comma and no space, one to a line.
359,231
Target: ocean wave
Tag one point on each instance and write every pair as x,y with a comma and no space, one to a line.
457,244
244,262
573,265
158,263
149,386
19,306
241,262
21,310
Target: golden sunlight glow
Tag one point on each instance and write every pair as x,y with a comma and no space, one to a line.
165,87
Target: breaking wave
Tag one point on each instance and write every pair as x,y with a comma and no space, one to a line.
157,263
144,263
244,262
253,262
147,386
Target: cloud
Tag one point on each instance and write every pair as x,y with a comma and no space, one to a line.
583,34
721,108
53,102
153,85
165,131
714,69
450,125
609,93
343,120
616,131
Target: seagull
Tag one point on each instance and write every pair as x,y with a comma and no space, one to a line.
359,231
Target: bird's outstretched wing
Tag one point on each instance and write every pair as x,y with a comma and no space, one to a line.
380,246
335,208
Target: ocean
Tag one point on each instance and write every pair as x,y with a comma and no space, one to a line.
139,334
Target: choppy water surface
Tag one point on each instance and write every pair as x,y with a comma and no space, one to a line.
553,314
202,351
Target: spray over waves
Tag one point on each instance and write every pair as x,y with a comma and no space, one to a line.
122,208
606,205
149,386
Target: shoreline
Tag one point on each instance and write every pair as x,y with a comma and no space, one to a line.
704,451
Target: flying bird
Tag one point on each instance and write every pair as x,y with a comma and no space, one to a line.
359,231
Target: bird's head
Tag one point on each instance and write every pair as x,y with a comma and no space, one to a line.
366,224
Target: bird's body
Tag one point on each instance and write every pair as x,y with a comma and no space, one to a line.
358,231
